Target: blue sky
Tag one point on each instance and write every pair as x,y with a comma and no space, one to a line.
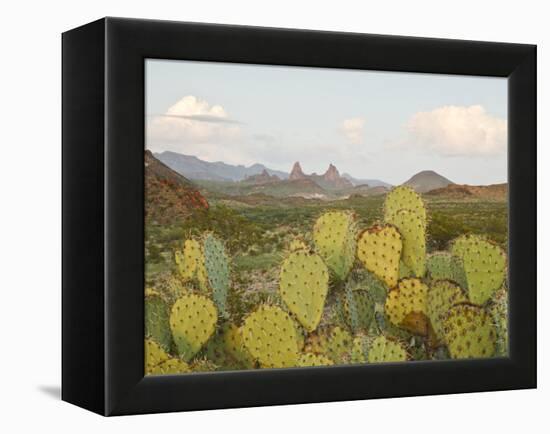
369,124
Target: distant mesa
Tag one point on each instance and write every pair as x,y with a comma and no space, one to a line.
427,180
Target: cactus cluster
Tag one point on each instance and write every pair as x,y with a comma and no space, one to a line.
343,294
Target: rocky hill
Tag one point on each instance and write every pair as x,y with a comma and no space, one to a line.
427,180
169,196
497,192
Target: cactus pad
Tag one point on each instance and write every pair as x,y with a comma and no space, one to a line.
192,321
413,234
406,304
404,197
358,309
335,235
442,295
499,313
335,343
303,287
154,354
311,359
216,263
270,337
379,249
359,349
189,259
484,265
234,343
157,316
297,244
383,349
170,366
469,332
445,266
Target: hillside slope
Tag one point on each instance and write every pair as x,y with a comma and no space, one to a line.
168,195
427,180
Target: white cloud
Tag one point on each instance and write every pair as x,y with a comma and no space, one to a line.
192,126
353,129
458,131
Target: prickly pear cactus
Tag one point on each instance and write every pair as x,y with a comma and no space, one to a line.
297,244
311,359
190,263
359,349
154,354
157,318
404,197
234,342
170,366
499,313
358,309
469,332
206,365
445,266
442,295
406,305
383,349
335,343
270,337
379,249
303,286
484,265
216,263
413,234
192,321
335,234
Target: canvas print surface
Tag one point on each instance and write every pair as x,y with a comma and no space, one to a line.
299,217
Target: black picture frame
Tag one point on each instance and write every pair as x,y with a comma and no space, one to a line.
103,223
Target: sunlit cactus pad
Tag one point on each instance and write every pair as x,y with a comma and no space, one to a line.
192,321
405,300
270,337
335,235
379,249
484,265
303,286
442,295
383,349
413,234
404,197
311,359
469,332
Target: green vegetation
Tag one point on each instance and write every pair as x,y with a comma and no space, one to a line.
263,282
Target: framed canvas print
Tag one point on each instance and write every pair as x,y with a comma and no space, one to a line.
258,216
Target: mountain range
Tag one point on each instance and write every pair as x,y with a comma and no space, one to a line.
195,168
258,179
